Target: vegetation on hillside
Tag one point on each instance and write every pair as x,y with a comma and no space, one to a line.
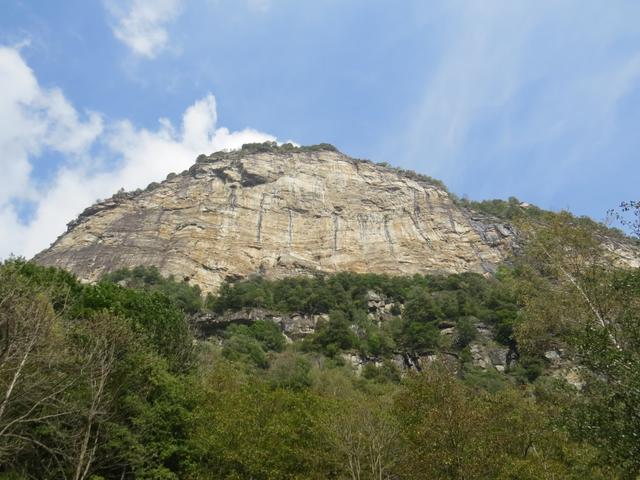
428,301
518,212
273,147
187,297
105,381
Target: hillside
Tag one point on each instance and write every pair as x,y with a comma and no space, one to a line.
344,375
282,211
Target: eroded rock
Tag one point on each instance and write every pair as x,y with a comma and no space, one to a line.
236,214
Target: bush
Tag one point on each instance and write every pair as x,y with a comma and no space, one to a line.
272,147
187,297
245,349
528,369
421,308
385,373
427,300
466,332
334,335
267,333
290,370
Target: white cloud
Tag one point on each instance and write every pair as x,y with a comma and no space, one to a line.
35,122
33,119
142,24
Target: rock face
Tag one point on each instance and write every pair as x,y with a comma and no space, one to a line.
279,213
294,326
486,353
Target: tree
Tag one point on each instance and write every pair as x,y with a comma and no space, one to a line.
334,335
629,216
575,295
451,431
421,313
98,343
84,392
33,373
365,435
290,370
245,428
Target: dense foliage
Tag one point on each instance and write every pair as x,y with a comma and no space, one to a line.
105,381
427,303
93,378
186,297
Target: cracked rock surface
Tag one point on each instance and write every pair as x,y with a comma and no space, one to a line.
235,214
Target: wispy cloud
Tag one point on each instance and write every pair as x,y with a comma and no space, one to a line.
524,87
259,6
478,69
101,156
142,24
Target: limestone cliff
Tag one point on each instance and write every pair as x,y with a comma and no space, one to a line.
278,212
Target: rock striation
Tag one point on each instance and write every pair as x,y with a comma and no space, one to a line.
278,212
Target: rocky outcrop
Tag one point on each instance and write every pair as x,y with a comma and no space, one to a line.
277,213
483,352
486,353
294,326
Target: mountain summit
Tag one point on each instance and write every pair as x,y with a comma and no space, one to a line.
278,211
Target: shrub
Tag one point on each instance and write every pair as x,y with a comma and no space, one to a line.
187,297
334,335
265,332
245,349
290,370
466,332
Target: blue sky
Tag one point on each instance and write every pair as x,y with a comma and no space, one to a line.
540,100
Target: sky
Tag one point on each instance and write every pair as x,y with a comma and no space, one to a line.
534,99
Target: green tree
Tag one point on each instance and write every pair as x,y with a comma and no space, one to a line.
247,429
290,370
335,335
365,435
420,333
454,432
574,295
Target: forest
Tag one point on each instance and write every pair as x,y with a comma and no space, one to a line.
109,380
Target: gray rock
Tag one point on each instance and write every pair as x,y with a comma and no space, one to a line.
552,355
498,356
